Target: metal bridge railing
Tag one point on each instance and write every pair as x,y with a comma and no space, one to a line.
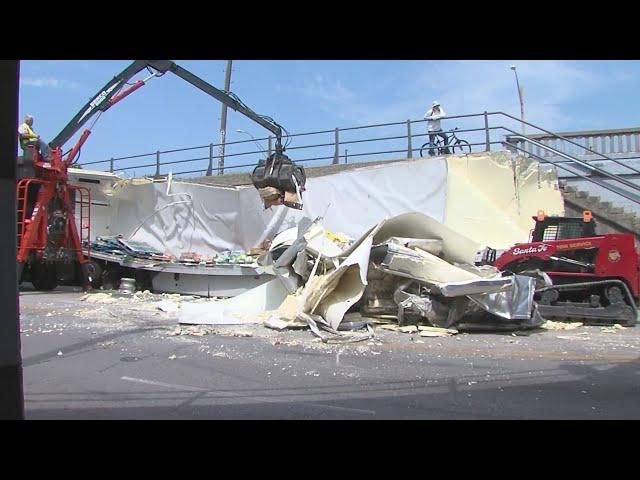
364,143
338,145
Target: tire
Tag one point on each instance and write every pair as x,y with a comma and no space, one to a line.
94,269
437,147
43,276
143,280
462,146
110,278
20,271
424,150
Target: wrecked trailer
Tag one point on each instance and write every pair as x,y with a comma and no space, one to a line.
406,269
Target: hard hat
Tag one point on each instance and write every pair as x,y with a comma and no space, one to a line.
435,103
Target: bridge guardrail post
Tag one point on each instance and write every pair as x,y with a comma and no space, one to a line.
336,153
487,147
111,165
210,167
157,163
409,147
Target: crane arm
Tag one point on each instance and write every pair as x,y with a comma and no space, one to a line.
100,102
277,171
111,93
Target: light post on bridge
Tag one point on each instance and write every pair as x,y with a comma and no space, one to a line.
520,95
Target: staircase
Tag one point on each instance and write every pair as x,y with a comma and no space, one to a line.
597,171
610,218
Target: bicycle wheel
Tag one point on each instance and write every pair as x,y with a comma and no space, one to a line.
424,150
461,146
437,146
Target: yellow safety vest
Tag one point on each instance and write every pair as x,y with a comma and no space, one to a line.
27,138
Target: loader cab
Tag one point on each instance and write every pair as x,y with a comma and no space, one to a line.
563,228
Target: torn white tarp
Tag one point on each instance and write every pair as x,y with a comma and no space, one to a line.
211,219
245,308
489,197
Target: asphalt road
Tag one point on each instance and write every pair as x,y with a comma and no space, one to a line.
125,360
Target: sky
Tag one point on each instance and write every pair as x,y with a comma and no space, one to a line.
311,95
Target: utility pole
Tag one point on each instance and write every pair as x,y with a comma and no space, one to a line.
223,119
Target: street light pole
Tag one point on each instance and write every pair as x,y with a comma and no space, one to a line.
520,95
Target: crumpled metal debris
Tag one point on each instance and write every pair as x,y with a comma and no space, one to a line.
316,323
509,297
410,266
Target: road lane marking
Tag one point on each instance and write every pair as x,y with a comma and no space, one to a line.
345,409
162,384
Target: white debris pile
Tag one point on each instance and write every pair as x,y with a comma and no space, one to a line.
409,271
551,325
99,298
612,329
143,301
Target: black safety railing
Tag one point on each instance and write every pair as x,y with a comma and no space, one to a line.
365,143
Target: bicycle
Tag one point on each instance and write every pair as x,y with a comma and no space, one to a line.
454,143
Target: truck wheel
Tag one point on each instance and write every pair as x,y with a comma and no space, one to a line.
20,266
95,271
110,279
143,280
43,276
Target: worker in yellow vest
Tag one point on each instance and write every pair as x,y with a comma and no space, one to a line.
29,137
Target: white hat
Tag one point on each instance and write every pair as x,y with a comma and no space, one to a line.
435,103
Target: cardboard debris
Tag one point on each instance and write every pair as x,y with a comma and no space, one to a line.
448,331
408,329
427,333
272,197
191,256
389,326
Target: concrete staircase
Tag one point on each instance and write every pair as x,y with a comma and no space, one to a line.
609,218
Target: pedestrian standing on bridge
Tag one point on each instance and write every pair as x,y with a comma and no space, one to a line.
433,115
29,137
